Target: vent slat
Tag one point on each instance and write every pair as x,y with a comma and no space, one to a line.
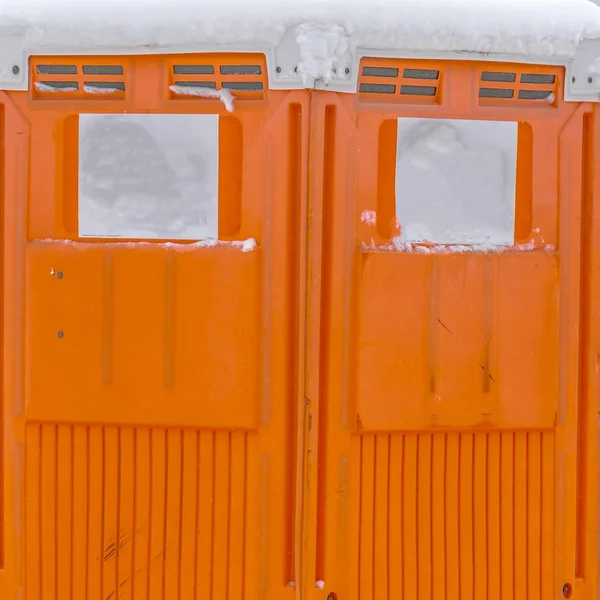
193,69
499,93
418,90
377,88
536,78
244,86
240,70
499,77
198,84
534,94
380,72
59,85
118,86
421,74
102,70
56,70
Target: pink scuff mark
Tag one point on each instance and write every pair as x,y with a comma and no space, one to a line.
369,217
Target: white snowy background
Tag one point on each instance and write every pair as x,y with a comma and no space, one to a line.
525,27
456,181
149,176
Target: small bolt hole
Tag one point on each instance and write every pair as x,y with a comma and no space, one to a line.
61,334
16,70
567,590
332,596
278,70
59,275
573,80
347,71
590,80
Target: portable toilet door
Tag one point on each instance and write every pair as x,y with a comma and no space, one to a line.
147,446
457,430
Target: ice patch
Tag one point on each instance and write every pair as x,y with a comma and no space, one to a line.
225,96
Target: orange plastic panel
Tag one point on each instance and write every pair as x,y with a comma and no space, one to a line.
148,396
453,448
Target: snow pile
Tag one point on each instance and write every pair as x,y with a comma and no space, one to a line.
536,28
323,48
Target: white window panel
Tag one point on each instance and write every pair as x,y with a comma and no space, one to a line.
456,181
149,176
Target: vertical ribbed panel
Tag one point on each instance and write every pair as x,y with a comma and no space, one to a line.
134,513
457,515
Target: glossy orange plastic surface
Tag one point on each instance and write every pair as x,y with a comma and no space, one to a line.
323,416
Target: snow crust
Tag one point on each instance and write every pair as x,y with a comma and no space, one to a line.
225,96
397,245
324,28
248,245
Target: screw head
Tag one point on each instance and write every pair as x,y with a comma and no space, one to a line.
347,71
567,590
61,334
277,69
590,79
573,79
16,69
59,275
332,596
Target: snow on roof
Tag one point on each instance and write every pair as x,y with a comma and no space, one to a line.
537,28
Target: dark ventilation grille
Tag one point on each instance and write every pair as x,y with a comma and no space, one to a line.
76,79
377,88
194,70
421,74
241,70
380,72
418,83
241,74
418,90
56,69
501,86
102,70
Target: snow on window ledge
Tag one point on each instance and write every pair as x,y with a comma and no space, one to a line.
248,245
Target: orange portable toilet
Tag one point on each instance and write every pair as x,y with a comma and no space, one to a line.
300,302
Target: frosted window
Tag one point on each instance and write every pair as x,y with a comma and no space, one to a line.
456,181
149,176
